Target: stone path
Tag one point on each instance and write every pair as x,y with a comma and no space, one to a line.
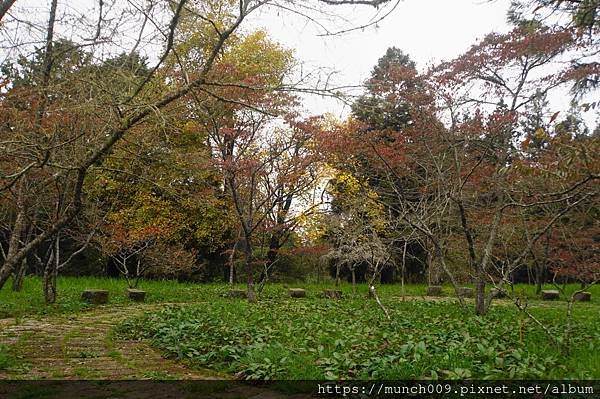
82,347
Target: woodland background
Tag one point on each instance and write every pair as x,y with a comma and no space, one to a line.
199,163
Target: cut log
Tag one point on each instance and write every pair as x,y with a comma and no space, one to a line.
550,295
136,295
498,293
332,294
297,293
237,293
434,290
582,297
466,292
95,297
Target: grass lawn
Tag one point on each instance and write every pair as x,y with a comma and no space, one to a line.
31,302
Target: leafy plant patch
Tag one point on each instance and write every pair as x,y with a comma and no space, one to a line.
280,338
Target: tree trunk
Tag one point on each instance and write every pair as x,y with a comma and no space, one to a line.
542,265
49,283
273,252
373,292
439,256
231,273
50,274
428,261
538,279
354,280
433,268
22,268
232,264
11,262
480,308
138,273
250,272
19,276
402,271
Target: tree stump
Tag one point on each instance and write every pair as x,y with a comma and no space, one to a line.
332,294
466,292
498,293
136,295
95,297
582,297
237,293
434,290
297,293
550,295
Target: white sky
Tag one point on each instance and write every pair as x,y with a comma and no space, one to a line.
427,30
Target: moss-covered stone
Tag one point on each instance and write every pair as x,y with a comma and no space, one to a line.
297,292
582,297
95,297
136,295
550,295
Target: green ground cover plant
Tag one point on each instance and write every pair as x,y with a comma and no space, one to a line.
314,338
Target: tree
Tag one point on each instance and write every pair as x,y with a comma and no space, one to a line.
354,221
457,166
378,115
379,108
32,134
495,63
265,170
584,14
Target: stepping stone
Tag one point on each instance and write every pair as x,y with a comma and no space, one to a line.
297,292
434,290
466,292
550,295
95,297
136,295
582,297
332,294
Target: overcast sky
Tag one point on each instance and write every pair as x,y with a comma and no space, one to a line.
428,30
